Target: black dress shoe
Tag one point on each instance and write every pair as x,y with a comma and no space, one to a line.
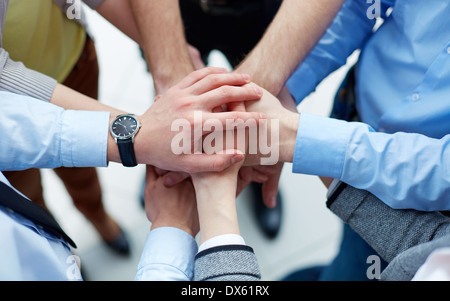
120,244
268,219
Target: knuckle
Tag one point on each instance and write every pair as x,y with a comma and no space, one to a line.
214,79
226,92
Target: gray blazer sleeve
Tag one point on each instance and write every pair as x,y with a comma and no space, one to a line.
388,231
227,263
406,264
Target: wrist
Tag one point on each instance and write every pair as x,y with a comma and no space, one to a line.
112,149
168,223
207,189
163,81
288,136
217,216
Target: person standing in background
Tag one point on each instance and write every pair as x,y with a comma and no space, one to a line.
39,34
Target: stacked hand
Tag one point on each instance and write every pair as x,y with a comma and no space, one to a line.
200,93
211,207
282,109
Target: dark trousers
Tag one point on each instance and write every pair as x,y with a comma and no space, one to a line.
233,34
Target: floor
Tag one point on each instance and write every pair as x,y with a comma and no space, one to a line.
309,234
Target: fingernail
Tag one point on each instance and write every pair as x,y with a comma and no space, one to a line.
258,91
236,159
262,116
246,77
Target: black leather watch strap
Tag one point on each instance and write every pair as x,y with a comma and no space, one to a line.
126,151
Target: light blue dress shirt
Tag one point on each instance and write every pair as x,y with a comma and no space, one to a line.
402,86
168,255
39,134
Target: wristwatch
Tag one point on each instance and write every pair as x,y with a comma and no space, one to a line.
124,128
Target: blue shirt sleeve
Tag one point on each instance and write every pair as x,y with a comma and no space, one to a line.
348,32
168,255
37,134
404,170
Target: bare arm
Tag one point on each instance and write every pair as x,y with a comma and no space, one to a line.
120,14
297,27
163,41
72,100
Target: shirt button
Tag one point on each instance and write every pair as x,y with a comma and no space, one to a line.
448,50
415,97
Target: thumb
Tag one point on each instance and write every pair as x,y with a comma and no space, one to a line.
150,174
213,163
270,187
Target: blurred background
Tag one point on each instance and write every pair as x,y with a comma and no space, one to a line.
309,235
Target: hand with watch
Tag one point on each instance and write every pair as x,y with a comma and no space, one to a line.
147,139
124,128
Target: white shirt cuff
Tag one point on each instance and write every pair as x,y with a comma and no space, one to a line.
222,240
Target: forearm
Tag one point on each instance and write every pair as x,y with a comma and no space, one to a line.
163,41
120,14
297,27
70,99
217,209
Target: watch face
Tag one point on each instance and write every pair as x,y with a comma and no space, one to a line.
124,127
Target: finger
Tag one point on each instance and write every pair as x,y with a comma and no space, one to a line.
196,57
259,177
266,169
214,81
241,185
246,173
150,174
150,180
230,94
236,120
211,163
237,106
197,75
270,188
158,97
174,178
160,172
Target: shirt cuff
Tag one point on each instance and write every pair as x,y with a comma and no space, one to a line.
222,240
171,248
321,146
302,82
84,138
